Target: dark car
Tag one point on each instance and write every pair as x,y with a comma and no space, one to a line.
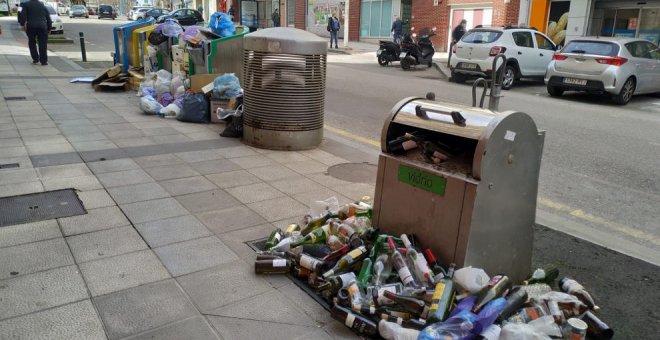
185,17
106,11
78,11
156,13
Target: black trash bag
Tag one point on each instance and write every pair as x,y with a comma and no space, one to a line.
194,108
157,37
234,127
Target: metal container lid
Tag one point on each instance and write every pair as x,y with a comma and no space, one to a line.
285,40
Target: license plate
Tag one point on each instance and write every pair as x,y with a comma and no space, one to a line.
469,66
402,55
379,52
575,81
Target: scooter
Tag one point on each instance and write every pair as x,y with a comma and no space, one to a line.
388,51
420,53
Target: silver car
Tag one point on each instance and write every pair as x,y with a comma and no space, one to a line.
622,67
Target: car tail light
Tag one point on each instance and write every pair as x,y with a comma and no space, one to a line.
615,61
495,50
559,56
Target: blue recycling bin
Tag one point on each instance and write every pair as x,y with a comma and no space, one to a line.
123,37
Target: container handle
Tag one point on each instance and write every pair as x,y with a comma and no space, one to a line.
456,116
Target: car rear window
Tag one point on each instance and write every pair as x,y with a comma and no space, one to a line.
591,47
481,37
105,8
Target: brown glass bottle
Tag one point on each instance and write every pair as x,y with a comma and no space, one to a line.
356,322
274,266
514,301
597,329
410,304
571,286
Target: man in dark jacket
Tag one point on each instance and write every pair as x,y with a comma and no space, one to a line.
397,29
459,31
333,28
35,21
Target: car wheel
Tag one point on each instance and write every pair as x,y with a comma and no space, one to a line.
509,77
626,93
555,91
429,64
382,61
457,77
406,63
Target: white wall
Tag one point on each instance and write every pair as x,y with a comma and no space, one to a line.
578,19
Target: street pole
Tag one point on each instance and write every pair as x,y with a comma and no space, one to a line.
346,24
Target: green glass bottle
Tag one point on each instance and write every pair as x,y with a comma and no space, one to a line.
365,273
546,274
443,297
274,238
346,261
316,236
316,223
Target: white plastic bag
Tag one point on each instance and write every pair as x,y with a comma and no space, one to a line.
170,110
539,329
162,86
177,80
164,74
149,105
179,91
471,279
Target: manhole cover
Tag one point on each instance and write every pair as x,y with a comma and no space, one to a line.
354,172
40,206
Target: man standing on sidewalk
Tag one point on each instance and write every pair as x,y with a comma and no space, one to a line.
397,29
35,21
456,35
333,28
276,18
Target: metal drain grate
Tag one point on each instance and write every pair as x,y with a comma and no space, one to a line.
15,98
40,206
302,284
9,165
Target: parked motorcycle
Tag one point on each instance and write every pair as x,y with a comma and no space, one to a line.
420,52
389,51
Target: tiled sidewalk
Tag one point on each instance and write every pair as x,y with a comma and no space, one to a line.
161,252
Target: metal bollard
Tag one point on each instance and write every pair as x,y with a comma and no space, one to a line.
82,47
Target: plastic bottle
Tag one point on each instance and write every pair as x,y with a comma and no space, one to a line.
381,269
394,331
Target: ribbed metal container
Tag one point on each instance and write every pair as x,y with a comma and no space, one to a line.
284,83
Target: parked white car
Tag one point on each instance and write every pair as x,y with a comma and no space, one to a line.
621,67
528,53
138,12
58,26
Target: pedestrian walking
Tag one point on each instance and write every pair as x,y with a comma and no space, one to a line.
36,23
276,18
456,35
333,28
397,29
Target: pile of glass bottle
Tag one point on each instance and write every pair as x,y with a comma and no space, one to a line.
382,285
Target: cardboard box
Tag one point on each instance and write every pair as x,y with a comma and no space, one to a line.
198,81
220,104
178,53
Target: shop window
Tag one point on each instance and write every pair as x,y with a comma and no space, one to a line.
291,13
376,18
523,39
543,43
649,25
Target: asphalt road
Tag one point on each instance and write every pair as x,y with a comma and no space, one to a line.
599,172
598,176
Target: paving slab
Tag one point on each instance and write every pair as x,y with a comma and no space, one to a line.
63,171
43,149
339,331
171,172
123,178
194,255
255,192
300,299
137,193
113,165
82,183
39,291
356,190
142,308
284,157
327,180
188,185
231,179
153,210
222,285
236,151
308,197
307,167
231,328
298,185
96,219
44,140
55,159
8,190
29,232
207,200
279,208
105,243
13,176
158,160
255,161
75,321
221,221
116,273
273,173
196,328
33,257
94,145
96,199
171,230
103,155
88,136
271,307
236,239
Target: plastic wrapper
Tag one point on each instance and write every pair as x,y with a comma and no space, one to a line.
164,74
489,313
221,23
465,304
177,81
149,105
540,329
457,327
165,99
192,34
194,109
171,28
226,86
321,208
394,331
560,297
471,279
170,110
149,91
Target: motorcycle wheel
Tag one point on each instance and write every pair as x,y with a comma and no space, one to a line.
382,61
406,63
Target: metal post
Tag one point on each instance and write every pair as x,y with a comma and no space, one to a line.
346,23
82,47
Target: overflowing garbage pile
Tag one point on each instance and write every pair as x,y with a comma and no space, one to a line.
385,286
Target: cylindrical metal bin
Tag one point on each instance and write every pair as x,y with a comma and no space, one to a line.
284,84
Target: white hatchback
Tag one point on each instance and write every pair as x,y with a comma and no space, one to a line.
527,51
58,26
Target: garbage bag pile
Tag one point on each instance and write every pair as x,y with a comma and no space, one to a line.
160,91
385,286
